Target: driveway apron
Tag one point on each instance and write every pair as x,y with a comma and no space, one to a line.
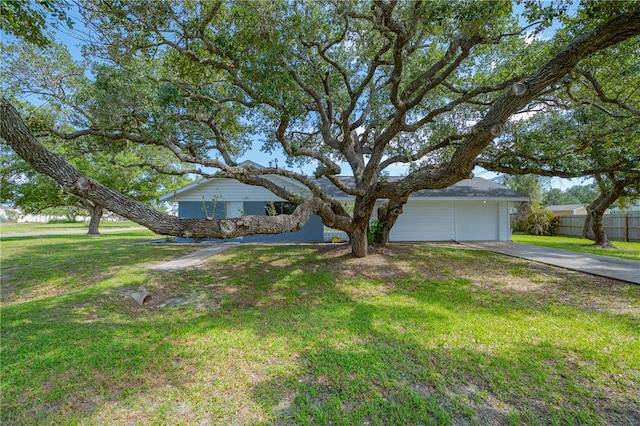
604,266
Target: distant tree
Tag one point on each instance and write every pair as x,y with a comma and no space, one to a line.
50,73
35,193
584,194
529,185
556,196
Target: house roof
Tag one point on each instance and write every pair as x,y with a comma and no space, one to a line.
564,207
468,188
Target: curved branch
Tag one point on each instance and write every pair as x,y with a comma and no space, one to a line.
17,135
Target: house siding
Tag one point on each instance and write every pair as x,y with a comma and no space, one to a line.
195,209
233,190
504,222
313,230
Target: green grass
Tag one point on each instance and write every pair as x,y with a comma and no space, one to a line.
622,250
309,335
16,228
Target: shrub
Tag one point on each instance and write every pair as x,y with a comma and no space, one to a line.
62,221
375,228
12,215
538,222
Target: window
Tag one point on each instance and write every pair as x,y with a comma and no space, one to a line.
272,208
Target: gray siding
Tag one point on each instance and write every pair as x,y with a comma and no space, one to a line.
196,209
312,231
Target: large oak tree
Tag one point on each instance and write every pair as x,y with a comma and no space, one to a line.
357,85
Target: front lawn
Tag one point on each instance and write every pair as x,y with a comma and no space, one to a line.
622,250
309,335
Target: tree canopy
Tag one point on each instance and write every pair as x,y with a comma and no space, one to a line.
590,126
350,86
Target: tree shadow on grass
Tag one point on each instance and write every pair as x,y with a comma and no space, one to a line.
33,268
387,376
300,338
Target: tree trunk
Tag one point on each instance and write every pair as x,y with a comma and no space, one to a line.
71,215
388,214
359,242
96,215
593,229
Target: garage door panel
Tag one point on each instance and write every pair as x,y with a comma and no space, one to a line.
476,221
425,221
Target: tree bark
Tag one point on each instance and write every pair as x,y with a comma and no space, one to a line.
359,241
593,229
388,214
14,131
94,222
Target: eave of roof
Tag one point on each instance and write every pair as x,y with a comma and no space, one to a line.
564,207
476,188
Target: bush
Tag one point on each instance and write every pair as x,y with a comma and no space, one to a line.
375,229
62,221
538,222
12,215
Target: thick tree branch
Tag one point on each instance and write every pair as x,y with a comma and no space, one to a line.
15,133
459,167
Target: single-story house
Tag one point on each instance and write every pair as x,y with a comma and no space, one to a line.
471,210
570,209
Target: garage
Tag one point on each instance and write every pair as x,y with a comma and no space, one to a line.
463,220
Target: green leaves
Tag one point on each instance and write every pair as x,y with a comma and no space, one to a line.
28,20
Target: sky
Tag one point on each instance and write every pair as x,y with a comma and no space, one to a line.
73,40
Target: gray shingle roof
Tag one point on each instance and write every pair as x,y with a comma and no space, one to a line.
557,207
468,188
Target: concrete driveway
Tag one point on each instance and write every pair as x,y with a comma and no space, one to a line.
604,266
193,259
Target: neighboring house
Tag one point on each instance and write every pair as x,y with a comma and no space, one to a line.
471,210
569,209
632,208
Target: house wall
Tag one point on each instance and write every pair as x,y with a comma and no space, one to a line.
313,230
199,209
233,190
571,212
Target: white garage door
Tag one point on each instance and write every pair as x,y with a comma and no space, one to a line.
425,221
447,220
476,221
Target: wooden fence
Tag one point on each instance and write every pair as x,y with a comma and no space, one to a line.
618,227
